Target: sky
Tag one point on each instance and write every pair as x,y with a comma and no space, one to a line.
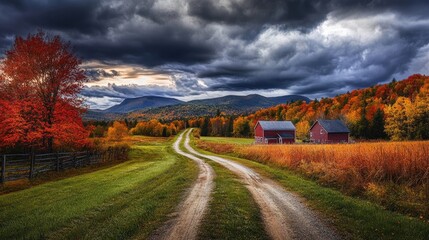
194,49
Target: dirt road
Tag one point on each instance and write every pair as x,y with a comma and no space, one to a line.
190,212
284,214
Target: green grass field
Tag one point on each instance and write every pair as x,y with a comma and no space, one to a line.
128,200
355,217
132,199
230,140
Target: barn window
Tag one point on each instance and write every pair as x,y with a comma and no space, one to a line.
321,131
311,134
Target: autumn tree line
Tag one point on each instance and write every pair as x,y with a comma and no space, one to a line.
116,130
398,110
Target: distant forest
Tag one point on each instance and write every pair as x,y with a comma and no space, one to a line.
398,110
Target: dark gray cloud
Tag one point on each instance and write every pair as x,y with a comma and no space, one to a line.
99,74
314,48
133,90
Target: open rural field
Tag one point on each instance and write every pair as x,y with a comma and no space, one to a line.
151,196
128,200
230,140
393,174
136,199
351,213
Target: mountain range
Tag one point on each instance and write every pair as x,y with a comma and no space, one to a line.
149,107
134,104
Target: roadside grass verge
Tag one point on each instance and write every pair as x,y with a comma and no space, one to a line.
356,218
127,200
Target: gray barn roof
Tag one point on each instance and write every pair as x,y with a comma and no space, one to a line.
277,125
286,135
333,126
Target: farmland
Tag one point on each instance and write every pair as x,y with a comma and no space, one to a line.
360,218
393,174
126,200
134,199
229,140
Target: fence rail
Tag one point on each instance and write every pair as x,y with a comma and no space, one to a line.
20,166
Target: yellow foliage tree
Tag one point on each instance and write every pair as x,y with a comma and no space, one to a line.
396,119
302,130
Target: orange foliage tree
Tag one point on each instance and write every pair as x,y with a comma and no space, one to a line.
156,129
117,132
39,106
242,127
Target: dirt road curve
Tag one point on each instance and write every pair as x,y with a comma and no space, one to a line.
284,214
190,212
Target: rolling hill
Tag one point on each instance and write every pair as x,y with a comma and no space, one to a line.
248,102
133,104
229,105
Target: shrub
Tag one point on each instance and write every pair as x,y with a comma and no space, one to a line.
197,133
117,132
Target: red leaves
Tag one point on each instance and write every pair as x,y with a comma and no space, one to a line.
38,94
20,121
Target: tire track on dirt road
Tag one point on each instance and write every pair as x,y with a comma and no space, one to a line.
191,211
285,215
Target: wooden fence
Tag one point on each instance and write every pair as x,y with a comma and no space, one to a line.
19,166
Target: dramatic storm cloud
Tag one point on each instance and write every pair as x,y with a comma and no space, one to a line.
203,48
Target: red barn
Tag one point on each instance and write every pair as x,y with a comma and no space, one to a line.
329,131
270,132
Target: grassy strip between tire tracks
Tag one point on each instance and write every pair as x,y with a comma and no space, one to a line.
356,218
232,213
128,200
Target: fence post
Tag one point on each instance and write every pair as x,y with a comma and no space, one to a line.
88,155
32,160
57,166
74,159
3,169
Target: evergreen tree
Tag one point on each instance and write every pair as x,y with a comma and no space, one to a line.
230,127
377,126
279,116
164,132
362,127
205,127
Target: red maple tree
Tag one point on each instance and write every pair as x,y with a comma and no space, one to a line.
39,85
